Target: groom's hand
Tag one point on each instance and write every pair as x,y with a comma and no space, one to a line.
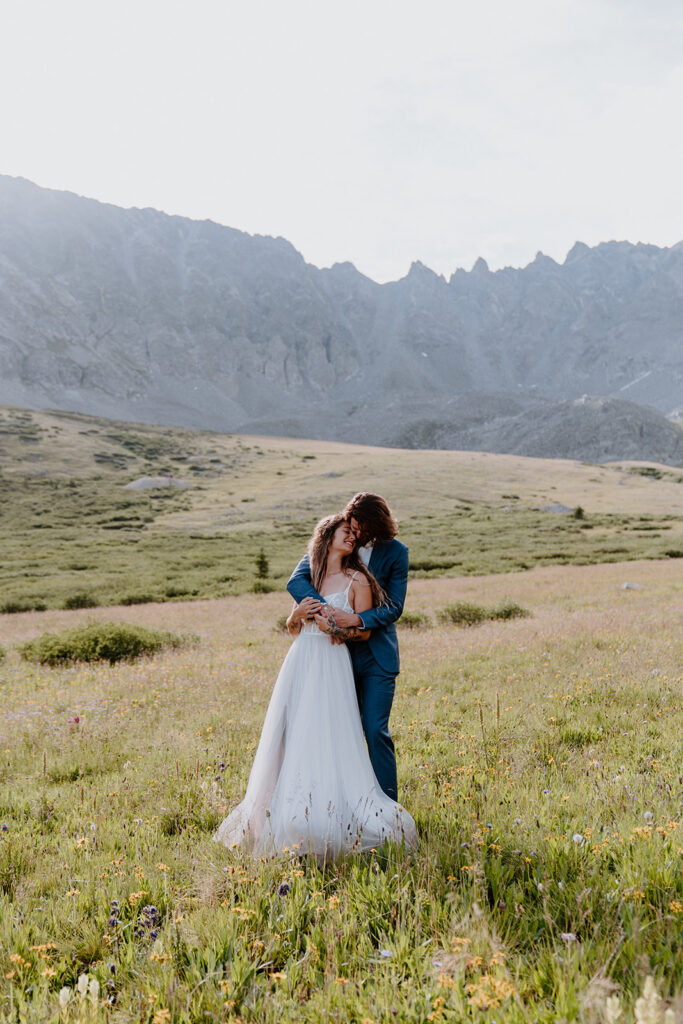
324,622
345,619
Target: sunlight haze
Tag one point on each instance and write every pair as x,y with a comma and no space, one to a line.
378,133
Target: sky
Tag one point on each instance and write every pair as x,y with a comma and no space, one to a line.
379,132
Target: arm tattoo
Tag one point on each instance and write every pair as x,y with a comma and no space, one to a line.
344,632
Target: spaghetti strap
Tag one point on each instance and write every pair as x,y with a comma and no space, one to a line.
351,581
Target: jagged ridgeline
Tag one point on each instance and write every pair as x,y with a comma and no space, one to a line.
96,512
145,317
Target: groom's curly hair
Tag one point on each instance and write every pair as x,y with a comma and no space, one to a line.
318,548
372,511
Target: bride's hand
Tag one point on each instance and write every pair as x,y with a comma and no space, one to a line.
309,607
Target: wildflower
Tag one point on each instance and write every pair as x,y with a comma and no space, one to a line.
385,953
283,888
612,1010
568,936
277,976
578,838
64,997
161,866
676,907
649,1005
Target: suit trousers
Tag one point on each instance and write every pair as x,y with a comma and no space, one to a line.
375,691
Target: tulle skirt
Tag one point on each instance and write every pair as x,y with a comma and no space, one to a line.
312,788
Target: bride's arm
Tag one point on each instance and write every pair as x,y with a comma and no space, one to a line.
304,610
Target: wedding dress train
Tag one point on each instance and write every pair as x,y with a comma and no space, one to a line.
312,788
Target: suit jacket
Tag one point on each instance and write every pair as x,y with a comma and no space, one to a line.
389,566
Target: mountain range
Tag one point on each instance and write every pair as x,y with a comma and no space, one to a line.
142,316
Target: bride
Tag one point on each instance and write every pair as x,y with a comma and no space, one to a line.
312,787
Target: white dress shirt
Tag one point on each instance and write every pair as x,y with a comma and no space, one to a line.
366,553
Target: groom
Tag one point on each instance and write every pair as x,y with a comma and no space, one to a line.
375,661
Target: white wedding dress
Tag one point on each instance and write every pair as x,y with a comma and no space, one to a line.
312,788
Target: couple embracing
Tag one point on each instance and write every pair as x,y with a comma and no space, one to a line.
323,779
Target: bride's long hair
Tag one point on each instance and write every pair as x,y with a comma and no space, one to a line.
318,549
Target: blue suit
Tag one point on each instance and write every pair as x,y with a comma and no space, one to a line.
376,660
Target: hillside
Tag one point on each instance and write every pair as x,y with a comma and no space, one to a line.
144,317
70,526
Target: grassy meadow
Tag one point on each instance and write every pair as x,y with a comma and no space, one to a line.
541,758
539,755
71,534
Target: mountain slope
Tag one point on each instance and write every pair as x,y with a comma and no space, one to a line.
142,316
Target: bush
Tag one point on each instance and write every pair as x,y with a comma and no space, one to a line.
80,600
508,610
139,599
414,620
430,564
262,587
23,605
3,652
462,613
281,624
99,641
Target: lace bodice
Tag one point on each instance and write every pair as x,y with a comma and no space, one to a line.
339,599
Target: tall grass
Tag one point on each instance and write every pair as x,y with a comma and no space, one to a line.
538,756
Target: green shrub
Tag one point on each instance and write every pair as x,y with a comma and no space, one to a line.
23,605
414,620
80,600
463,613
508,610
262,587
139,599
3,652
99,641
281,624
430,564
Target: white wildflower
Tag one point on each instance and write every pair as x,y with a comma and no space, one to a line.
82,984
94,989
649,1005
64,997
612,1010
